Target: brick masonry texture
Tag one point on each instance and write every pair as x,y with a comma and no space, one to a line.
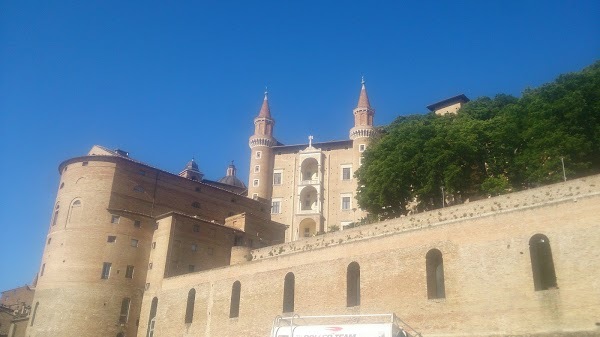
484,244
487,269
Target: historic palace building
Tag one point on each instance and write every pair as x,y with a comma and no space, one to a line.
311,187
133,250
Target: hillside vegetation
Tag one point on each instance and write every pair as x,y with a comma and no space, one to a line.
492,146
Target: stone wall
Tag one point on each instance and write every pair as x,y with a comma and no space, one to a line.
487,272
569,192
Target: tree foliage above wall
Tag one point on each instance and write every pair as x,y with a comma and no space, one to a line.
492,146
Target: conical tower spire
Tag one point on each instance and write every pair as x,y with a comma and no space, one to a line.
265,111
363,115
263,123
363,99
261,161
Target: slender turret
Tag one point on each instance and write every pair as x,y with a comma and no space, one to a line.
260,184
363,116
363,128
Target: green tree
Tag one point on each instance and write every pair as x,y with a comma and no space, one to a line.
492,146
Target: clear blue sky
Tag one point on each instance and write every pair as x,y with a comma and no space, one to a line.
168,81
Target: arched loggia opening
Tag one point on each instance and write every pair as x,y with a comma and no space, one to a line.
309,169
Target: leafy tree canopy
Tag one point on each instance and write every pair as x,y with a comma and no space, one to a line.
492,146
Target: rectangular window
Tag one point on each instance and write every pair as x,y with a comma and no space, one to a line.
306,232
115,219
134,242
255,183
149,265
210,251
346,172
256,168
111,239
212,233
85,163
196,228
105,270
147,286
129,272
346,202
154,245
258,154
137,224
191,268
275,206
43,268
194,247
277,177
361,148
255,196
124,316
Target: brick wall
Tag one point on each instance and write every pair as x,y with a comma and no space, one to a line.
486,260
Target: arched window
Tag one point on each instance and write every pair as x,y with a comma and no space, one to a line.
37,304
74,211
542,265
234,307
55,216
435,274
189,309
353,285
288,292
152,317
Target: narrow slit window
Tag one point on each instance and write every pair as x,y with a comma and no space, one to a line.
234,308
189,309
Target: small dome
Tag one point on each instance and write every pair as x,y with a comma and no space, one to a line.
231,179
192,166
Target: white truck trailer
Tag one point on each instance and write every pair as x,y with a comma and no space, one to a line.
379,325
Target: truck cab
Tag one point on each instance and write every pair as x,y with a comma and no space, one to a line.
375,325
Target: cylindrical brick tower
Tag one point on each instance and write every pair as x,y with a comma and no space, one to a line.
91,280
260,184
